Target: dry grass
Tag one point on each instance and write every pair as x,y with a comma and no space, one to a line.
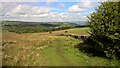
19,49
26,49
43,49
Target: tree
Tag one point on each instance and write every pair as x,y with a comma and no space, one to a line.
105,28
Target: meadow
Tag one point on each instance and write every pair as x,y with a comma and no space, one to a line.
48,49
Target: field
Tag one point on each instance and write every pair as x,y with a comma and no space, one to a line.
47,49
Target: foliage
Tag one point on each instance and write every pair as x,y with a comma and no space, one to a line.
105,28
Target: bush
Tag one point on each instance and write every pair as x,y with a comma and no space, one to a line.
105,28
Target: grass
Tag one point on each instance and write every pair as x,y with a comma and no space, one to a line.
47,49
63,53
55,53
25,48
77,31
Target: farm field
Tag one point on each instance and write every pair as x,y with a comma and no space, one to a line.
47,49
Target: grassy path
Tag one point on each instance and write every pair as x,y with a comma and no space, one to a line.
46,49
59,51
62,53
56,53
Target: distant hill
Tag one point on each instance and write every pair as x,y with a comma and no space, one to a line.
73,23
79,22
35,22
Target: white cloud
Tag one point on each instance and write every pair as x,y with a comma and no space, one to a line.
82,6
48,17
67,17
39,10
88,4
75,8
6,7
26,10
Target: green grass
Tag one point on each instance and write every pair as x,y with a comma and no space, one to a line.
63,53
55,53
60,51
79,31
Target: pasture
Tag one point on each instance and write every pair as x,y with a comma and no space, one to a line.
47,49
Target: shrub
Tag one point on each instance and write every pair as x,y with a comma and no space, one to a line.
105,28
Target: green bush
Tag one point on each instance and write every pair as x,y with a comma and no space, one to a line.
105,28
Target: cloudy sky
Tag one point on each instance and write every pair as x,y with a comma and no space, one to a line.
47,10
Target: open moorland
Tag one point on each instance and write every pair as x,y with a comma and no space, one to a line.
49,49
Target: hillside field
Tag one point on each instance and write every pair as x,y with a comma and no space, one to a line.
47,49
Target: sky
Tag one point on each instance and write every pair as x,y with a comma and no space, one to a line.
47,10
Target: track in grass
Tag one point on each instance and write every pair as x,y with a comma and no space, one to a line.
25,50
56,53
62,53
